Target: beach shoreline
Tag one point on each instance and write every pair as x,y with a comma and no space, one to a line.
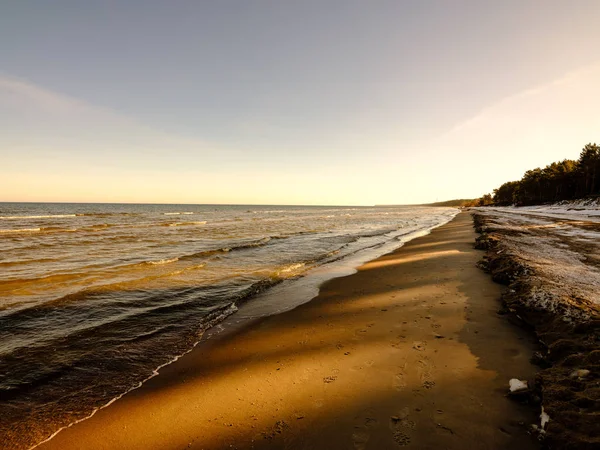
407,351
80,329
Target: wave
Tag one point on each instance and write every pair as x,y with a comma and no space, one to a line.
277,211
173,304
379,232
49,216
240,246
187,269
21,230
11,313
88,270
58,230
161,262
54,229
186,213
180,224
210,320
28,261
85,270
90,228
106,214
147,278
99,226
290,268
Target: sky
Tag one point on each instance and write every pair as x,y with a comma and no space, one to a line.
335,102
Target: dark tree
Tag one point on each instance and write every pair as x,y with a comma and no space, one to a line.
505,194
562,180
589,168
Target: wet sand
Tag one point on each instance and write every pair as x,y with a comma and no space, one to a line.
409,351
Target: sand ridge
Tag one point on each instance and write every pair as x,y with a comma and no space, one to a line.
408,352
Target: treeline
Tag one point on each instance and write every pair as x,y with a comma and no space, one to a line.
457,202
563,180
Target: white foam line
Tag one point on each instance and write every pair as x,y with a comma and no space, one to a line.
21,230
162,261
37,217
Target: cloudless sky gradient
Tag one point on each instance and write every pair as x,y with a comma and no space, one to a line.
290,102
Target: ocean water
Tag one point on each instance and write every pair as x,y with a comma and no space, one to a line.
95,297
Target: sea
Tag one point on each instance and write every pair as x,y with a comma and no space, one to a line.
95,298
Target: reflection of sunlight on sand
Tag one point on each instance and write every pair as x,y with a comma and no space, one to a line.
414,258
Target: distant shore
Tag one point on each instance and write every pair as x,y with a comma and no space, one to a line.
408,350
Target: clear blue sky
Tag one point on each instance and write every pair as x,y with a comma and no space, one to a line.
314,102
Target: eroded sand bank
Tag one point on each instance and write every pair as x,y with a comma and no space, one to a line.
409,352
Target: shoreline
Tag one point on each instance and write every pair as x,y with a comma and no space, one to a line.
37,410
306,287
222,381
266,303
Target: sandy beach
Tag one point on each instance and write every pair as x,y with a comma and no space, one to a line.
409,351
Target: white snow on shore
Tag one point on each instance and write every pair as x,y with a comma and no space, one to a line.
560,246
585,209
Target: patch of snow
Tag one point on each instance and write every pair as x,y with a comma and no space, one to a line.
584,209
562,257
516,385
544,419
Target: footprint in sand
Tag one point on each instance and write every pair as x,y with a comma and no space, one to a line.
399,382
370,422
360,439
401,438
362,428
425,369
400,425
398,342
419,345
306,375
428,384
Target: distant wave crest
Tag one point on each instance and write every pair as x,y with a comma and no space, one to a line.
181,224
50,216
21,230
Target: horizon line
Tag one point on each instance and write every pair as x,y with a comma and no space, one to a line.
211,204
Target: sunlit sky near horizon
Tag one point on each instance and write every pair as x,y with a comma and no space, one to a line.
290,102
